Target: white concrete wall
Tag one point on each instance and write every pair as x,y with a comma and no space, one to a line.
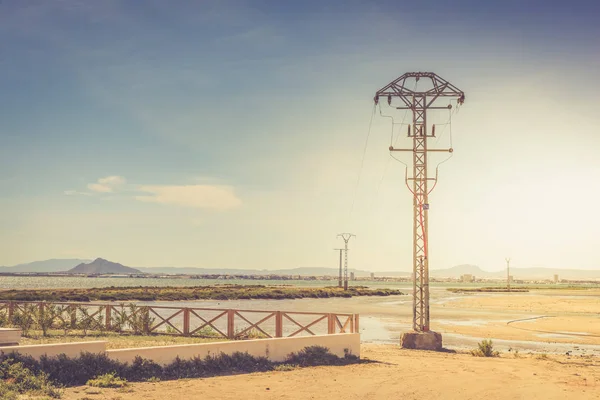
9,336
274,349
69,349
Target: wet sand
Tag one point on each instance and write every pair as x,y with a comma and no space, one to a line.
547,321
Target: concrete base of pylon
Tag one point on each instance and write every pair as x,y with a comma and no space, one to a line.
421,341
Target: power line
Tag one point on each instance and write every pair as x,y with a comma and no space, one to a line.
362,162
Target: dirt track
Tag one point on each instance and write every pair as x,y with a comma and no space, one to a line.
392,374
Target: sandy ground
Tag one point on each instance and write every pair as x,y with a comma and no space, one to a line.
389,373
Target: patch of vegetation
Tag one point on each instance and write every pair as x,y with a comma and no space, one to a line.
115,340
17,380
110,380
318,355
214,292
487,290
485,348
99,370
285,367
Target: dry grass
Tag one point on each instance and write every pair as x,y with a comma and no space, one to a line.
115,340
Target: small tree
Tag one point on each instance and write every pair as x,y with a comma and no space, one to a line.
24,318
46,315
120,318
140,320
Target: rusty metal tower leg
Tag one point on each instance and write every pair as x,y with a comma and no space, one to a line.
420,206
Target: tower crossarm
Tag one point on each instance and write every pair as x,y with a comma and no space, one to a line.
435,87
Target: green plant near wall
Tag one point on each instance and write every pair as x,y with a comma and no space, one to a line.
140,320
89,322
119,318
45,316
23,318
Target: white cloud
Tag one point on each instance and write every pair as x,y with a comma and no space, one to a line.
197,196
107,184
75,193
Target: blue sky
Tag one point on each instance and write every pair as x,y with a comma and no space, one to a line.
231,133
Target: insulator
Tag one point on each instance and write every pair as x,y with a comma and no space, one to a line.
433,130
376,99
409,130
389,99
391,148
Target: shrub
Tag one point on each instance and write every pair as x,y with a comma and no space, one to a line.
17,379
285,367
77,371
318,355
485,349
99,369
109,380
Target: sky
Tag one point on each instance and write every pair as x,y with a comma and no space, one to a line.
235,134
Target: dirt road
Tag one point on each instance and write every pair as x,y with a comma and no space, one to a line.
389,373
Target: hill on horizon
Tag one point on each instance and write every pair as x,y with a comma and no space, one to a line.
69,265
102,266
52,265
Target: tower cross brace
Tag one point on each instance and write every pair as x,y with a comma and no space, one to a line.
419,102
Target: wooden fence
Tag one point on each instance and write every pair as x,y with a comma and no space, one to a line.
179,321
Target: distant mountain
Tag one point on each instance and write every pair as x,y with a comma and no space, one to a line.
54,265
306,271
102,266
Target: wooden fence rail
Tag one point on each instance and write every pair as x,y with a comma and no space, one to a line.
179,321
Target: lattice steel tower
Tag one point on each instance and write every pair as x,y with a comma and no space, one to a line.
419,102
346,237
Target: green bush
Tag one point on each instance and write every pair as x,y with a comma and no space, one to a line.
16,379
318,355
109,380
485,349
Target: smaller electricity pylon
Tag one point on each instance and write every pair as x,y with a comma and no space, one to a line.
340,276
346,237
508,274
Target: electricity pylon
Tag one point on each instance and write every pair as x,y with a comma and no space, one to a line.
340,276
419,102
346,237
508,274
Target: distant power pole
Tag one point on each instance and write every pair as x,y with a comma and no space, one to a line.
346,237
508,273
340,276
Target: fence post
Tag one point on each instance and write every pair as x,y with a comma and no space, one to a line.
186,321
330,324
108,317
231,324
73,313
278,324
146,319
356,324
11,311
